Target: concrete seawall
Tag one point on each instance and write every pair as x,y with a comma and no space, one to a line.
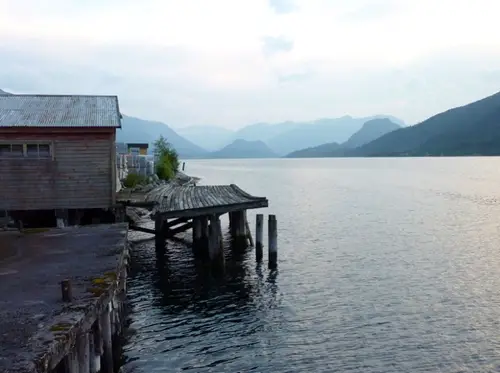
39,332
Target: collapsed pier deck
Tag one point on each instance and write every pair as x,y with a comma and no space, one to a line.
190,201
31,308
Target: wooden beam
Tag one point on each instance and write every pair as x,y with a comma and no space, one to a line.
182,228
175,222
144,204
142,229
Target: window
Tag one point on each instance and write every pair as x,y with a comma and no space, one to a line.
29,150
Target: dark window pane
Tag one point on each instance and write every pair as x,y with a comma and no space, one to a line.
16,150
32,150
44,150
4,150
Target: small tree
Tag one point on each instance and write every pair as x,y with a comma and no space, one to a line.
166,158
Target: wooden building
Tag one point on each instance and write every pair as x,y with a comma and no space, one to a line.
138,149
58,153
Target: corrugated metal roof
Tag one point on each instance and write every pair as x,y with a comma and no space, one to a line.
59,111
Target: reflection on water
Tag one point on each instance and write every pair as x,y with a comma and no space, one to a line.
179,307
384,266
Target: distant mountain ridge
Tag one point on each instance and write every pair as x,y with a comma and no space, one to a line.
369,131
141,130
210,138
244,149
472,129
285,137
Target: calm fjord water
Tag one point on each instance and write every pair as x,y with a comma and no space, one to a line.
385,265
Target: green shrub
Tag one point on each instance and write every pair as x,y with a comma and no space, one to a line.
132,180
166,158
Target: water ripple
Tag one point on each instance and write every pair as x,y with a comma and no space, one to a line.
385,266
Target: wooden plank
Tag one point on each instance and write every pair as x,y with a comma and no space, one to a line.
141,229
182,228
219,209
175,222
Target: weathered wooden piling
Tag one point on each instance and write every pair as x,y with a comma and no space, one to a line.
83,352
247,229
71,363
215,249
197,234
259,233
159,235
238,227
95,356
107,357
272,241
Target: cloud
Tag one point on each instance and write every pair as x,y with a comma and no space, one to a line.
370,10
282,6
197,62
272,45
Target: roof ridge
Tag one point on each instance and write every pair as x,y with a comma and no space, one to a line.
53,95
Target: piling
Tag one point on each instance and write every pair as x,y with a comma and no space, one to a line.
272,242
107,357
259,233
159,235
197,233
247,229
215,249
83,352
238,228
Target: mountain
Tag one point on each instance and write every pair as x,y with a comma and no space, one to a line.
316,133
2,92
140,130
244,149
325,150
208,137
370,131
472,129
264,131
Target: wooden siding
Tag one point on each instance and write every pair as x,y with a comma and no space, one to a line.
81,175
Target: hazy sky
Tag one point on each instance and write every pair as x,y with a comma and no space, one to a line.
234,62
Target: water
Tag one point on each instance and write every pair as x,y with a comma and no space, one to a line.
385,265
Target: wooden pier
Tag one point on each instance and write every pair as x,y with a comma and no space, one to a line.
176,208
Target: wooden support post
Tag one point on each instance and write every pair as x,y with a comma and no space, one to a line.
204,237
67,295
259,233
247,229
98,344
196,234
215,250
83,353
159,235
238,228
71,362
272,241
220,236
107,358
95,363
